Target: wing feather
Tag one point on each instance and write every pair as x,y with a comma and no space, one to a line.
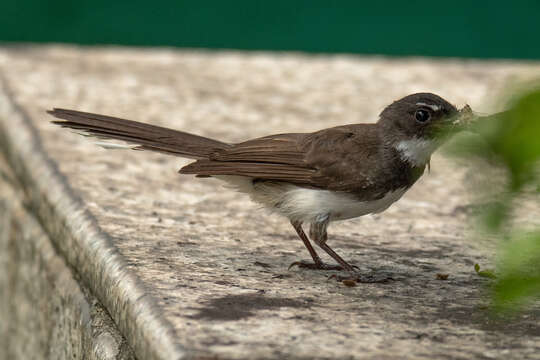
277,149
267,171
311,159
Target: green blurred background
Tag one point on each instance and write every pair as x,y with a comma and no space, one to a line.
484,29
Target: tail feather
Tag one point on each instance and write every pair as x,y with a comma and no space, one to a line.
147,137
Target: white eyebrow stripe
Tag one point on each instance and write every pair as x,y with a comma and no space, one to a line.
431,106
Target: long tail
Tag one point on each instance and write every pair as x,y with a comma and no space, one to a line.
147,137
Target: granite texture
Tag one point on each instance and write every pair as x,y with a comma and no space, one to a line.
190,269
45,312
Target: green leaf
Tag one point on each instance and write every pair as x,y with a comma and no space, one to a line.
511,138
519,277
495,214
514,136
509,141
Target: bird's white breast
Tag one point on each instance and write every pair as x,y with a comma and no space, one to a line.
306,205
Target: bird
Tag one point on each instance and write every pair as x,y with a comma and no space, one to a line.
314,178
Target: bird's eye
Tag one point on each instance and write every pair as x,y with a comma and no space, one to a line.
422,116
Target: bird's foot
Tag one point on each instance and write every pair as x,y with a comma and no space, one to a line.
314,266
354,278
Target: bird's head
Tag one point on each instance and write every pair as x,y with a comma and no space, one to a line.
418,124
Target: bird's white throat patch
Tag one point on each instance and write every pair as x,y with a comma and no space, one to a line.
416,151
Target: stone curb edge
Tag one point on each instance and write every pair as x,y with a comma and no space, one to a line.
76,235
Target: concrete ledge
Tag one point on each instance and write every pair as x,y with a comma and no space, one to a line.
45,313
83,245
188,270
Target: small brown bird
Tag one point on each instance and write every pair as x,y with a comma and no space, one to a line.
332,174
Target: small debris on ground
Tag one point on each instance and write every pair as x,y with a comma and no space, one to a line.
484,273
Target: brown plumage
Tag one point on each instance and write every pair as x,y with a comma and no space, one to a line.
298,158
331,174
149,137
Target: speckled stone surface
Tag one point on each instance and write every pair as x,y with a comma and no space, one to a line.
45,312
211,266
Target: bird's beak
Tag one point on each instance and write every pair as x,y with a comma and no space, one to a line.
463,119
454,123
467,120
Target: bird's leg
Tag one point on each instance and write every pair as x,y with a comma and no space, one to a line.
317,262
318,234
298,227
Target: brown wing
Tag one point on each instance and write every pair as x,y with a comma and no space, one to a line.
348,160
324,159
277,149
276,157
